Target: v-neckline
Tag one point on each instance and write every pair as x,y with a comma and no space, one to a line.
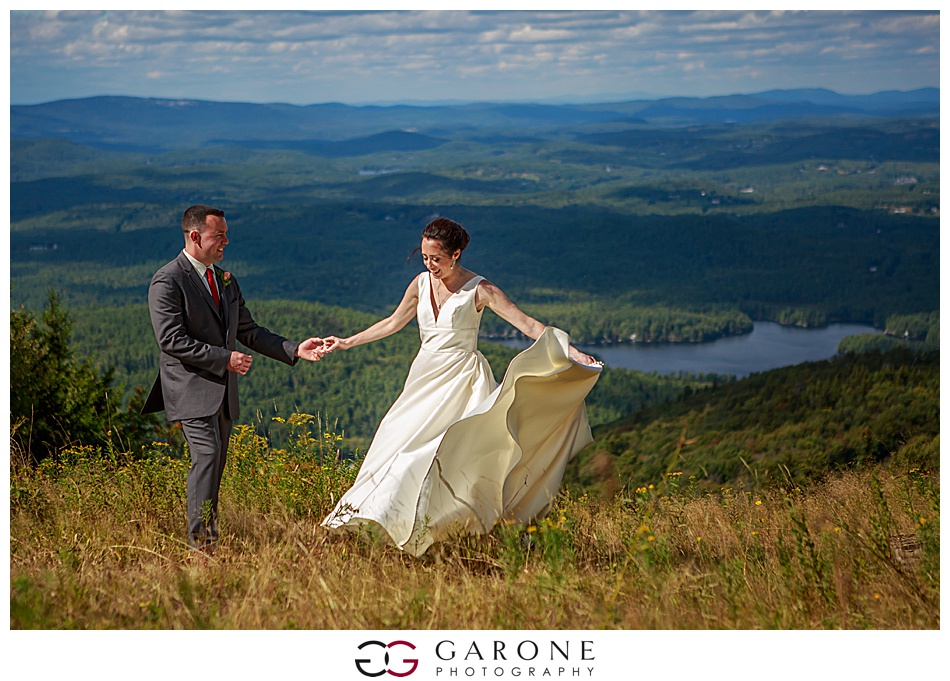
436,311
435,308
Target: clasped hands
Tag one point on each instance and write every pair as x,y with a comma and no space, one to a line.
312,350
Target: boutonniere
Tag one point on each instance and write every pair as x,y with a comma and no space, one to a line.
226,278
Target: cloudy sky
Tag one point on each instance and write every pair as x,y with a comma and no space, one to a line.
305,57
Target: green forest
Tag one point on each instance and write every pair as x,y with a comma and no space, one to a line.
672,234
352,390
612,228
782,428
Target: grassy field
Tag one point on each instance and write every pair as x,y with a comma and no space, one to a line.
98,542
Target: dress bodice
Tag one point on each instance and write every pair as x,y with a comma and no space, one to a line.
456,327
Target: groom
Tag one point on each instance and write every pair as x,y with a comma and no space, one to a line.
198,314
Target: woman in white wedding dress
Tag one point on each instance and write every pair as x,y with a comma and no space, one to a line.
456,453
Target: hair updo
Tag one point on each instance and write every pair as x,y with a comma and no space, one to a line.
449,233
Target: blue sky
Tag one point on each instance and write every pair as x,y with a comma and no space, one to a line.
357,57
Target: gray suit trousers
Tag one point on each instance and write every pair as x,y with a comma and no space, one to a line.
207,439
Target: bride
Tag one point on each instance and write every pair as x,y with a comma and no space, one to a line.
456,453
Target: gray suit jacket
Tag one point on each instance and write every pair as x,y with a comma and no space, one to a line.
196,338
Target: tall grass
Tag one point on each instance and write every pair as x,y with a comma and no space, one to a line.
98,541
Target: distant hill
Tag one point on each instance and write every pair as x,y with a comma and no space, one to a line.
786,426
394,140
585,214
855,142
153,125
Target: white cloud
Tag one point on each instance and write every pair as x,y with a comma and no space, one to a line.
351,55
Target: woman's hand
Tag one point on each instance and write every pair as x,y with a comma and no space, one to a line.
582,358
332,343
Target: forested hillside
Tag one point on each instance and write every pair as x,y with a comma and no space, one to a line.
785,427
674,221
835,264
350,389
607,224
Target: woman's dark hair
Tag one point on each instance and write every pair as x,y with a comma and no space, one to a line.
449,233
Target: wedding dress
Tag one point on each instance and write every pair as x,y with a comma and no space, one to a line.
456,453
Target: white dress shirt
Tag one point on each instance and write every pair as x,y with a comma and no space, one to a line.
201,269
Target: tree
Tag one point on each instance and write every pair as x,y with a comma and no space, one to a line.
58,401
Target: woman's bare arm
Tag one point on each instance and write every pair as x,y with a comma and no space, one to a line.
402,315
489,295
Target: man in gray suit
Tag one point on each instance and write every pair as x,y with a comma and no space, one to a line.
198,314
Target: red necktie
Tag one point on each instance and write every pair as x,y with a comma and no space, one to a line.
214,289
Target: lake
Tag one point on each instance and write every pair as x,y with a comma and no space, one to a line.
768,346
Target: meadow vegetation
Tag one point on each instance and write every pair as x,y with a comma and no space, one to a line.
98,542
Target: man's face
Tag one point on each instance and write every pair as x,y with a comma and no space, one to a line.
209,243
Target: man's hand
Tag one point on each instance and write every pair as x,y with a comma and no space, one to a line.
239,362
311,350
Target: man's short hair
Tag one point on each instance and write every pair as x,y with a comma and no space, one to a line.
197,216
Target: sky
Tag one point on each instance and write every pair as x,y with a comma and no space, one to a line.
390,56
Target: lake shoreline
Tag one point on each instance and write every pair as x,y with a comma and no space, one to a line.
769,345
607,342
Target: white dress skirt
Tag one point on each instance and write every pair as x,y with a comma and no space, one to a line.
456,453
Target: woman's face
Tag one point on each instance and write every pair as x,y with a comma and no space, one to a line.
436,260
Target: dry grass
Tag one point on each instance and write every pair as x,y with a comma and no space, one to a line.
99,543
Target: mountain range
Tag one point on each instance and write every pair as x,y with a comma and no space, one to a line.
155,125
